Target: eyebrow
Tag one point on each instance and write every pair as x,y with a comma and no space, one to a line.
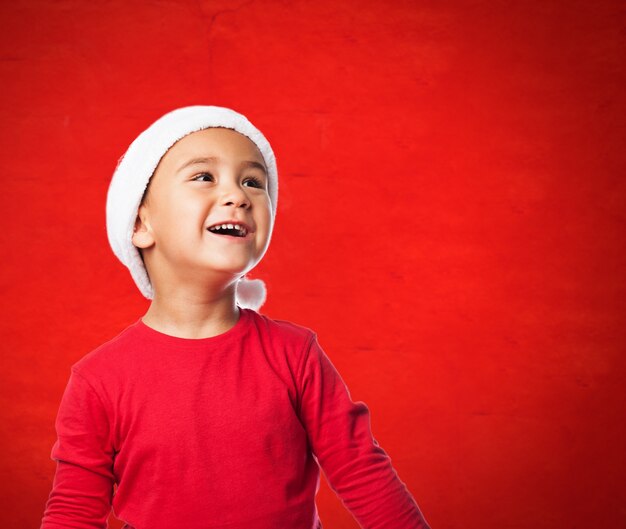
213,159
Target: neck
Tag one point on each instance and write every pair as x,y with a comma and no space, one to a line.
188,313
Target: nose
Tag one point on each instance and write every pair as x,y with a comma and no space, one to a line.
233,194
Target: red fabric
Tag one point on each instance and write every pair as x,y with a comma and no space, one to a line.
222,432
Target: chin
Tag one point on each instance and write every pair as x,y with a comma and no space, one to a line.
236,269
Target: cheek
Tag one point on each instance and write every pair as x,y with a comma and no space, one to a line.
179,209
267,221
264,206
270,221
170,225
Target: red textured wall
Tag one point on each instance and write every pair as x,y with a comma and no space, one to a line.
450,221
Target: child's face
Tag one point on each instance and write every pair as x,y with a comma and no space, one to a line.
210,176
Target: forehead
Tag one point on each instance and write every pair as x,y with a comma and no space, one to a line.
215,141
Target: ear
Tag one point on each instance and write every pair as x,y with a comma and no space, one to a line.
142,233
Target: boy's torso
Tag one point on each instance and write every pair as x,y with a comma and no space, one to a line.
207,432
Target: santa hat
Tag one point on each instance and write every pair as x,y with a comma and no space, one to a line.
136,166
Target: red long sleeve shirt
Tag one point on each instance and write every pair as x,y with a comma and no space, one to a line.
225,432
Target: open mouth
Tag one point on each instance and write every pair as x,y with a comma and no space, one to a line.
232,230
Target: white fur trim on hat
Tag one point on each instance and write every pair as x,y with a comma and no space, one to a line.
136,166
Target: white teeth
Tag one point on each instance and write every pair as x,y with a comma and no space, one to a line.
241,229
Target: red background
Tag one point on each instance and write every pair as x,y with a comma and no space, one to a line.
450,221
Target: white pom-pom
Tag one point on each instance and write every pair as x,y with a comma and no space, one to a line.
251,293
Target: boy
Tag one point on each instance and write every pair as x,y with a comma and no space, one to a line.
204,413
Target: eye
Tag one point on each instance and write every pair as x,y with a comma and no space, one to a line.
256,182
202,174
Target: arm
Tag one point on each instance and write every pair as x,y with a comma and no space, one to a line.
358,470
83,483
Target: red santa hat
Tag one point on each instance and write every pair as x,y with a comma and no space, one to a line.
135,167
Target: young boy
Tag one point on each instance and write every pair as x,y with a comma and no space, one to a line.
205,413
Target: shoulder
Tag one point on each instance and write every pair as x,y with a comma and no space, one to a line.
114,352
284,340
283,330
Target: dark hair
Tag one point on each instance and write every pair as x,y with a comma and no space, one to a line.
144,197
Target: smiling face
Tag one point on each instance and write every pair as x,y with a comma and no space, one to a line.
208,177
